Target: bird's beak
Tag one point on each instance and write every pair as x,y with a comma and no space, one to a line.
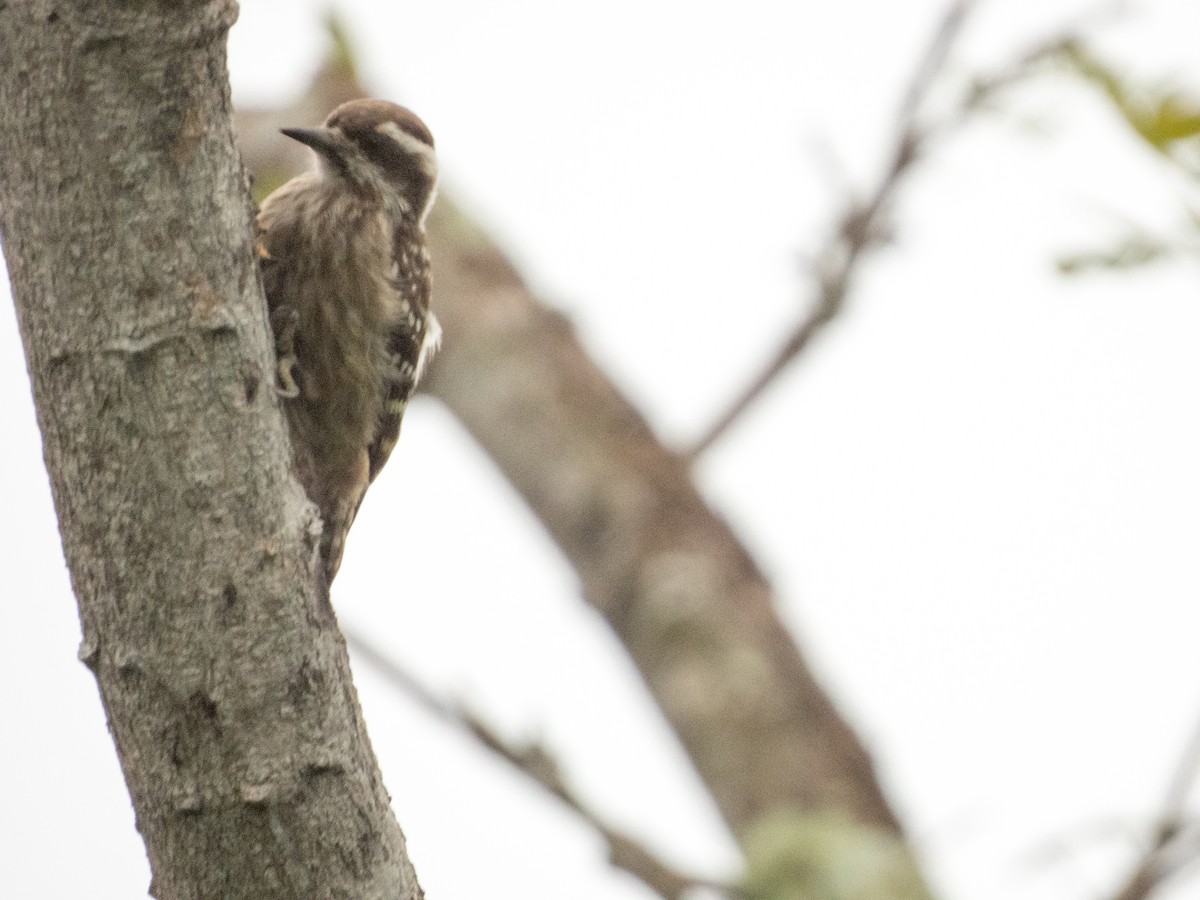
320,139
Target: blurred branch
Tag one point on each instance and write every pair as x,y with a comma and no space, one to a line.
692,608
536,762
1173,844
932,63
861,227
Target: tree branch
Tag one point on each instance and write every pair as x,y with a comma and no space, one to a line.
692,608
1173,844
861,227
537,763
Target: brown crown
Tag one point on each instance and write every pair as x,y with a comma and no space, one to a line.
359,119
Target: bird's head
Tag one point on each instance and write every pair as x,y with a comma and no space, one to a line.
379,148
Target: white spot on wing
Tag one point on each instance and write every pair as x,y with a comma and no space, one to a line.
429,347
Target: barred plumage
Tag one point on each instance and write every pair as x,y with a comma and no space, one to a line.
346,273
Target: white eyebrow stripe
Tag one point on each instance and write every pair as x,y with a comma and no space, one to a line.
412,145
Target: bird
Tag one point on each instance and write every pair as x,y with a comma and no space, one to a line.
346,272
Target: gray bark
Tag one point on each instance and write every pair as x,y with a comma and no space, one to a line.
126,229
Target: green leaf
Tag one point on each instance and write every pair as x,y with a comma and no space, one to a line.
1160,116
1131,252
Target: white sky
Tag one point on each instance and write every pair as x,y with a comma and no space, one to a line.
978,496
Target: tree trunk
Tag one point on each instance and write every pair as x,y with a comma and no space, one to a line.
126,229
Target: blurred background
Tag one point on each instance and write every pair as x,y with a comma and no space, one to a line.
976,493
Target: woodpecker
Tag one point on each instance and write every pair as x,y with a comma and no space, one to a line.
346,273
